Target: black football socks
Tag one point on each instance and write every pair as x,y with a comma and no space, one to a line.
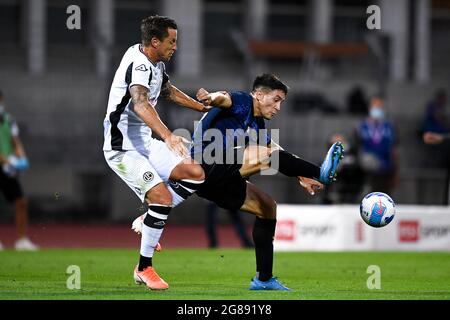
263,234
144,262
292,166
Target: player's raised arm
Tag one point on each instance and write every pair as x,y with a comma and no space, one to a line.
142,107
179,97
219,99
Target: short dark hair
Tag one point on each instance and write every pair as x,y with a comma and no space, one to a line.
269,81
156,26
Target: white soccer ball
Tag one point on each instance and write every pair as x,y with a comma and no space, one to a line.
377,209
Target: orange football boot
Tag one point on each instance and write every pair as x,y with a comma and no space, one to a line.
150,278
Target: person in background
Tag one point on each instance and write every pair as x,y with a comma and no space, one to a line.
13,160
435,131
237,221
377,149
435,118
441,139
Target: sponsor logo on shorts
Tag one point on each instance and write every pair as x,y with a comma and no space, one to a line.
138,190
174,184
148,176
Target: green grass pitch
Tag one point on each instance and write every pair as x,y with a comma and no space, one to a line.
224,274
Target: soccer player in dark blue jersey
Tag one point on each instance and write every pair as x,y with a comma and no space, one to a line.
239,115
231,144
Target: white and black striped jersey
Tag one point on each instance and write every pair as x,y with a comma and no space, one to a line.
123,128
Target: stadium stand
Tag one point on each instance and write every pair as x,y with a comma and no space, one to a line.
60,112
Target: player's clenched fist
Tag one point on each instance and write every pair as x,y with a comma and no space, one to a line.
204,96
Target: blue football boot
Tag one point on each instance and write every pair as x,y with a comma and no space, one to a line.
330,164
271,284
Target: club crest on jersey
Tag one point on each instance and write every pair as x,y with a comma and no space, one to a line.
141,67
148,176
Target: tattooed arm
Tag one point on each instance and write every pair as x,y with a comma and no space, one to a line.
142,107
179,97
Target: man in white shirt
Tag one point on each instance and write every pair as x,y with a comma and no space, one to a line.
131,127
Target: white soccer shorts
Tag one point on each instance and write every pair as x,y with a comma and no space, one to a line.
140,170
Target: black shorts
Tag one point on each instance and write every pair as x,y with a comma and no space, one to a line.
224,185
10,187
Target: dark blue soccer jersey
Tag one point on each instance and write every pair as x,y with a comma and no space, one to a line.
232,123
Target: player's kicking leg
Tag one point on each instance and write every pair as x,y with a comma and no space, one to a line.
258,158
330,164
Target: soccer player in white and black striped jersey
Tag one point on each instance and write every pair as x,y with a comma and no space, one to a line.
142,161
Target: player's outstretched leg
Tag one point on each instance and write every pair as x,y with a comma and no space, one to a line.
257,158
330,164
